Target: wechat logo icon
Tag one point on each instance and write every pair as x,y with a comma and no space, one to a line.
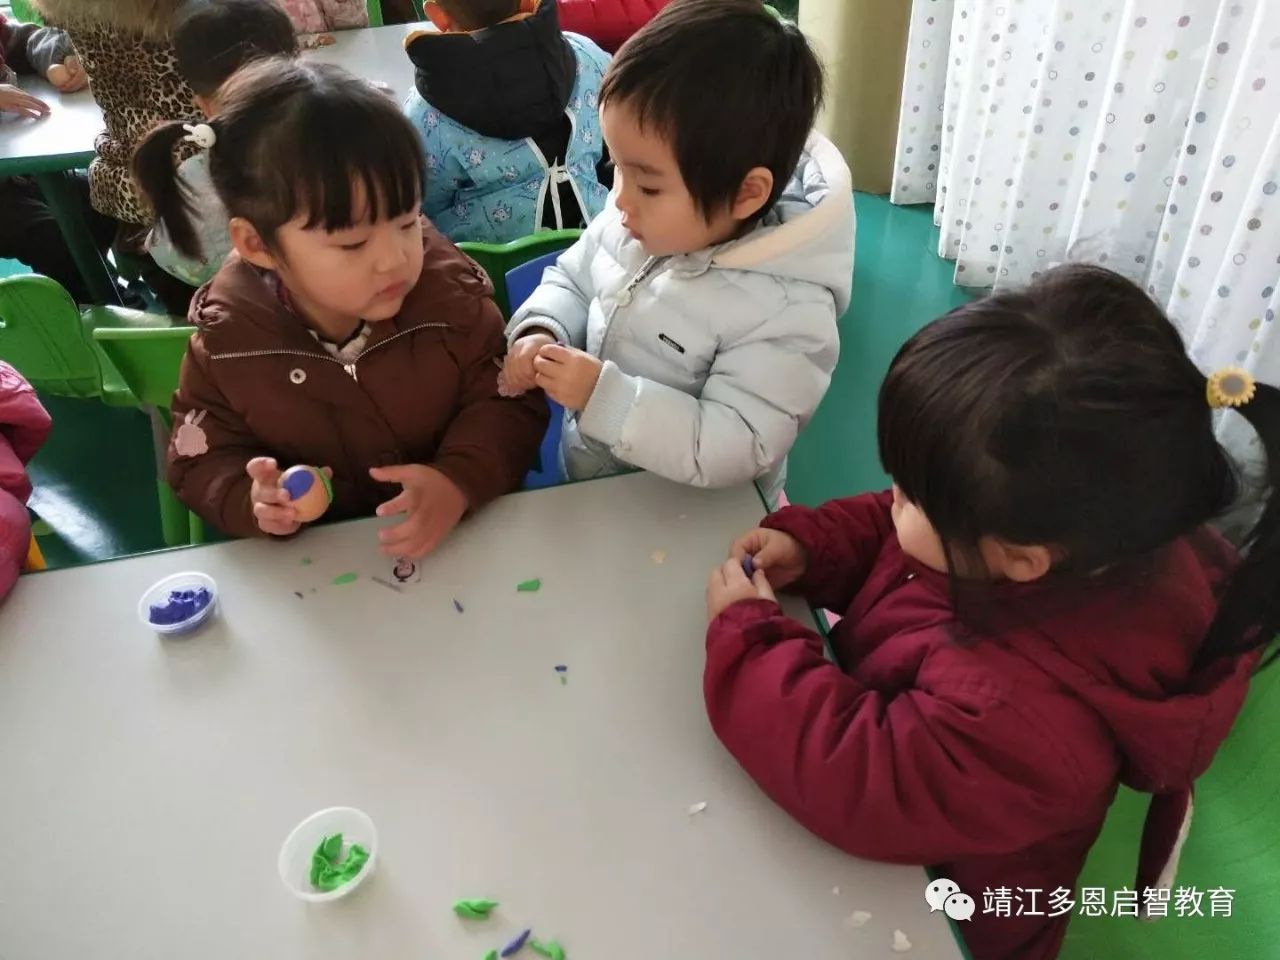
945,895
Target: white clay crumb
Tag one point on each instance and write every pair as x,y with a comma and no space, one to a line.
859,918
684,516
659,556
900,942
835,891
697,808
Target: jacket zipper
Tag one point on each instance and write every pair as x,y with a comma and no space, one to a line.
349,368
624,297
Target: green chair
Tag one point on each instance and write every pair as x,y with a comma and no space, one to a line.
64,352
24,12
375,12
497,259
149,361
46,337
1234,844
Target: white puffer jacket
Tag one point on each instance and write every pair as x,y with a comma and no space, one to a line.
713,361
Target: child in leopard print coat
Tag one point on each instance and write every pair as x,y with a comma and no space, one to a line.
126,49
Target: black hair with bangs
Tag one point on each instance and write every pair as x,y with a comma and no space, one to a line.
293,140
1069,415
730,84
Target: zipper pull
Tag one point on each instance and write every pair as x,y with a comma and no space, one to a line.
351,371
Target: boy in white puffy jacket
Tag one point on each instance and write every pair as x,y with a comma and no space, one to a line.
691,331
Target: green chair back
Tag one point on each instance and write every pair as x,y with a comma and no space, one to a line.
497,259
149,360
44,336
1234,844
375,12
24,12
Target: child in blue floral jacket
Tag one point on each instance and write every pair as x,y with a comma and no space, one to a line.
506,106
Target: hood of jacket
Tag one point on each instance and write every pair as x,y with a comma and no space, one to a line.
510,81
809,233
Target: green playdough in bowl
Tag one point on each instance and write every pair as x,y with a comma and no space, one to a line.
330,869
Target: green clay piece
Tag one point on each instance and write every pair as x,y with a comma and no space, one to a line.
529,586
551,949
328,485
343,579
306,561
474,909
327,871
491,955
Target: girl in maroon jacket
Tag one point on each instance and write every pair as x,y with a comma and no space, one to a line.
343,332
1034,614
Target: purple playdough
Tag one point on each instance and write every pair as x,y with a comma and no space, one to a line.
181,605
516,945
299,483
749,566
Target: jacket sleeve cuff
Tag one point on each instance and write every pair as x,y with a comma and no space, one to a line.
46,47
755,623
235,514
800,522
611,402
518,328
476,483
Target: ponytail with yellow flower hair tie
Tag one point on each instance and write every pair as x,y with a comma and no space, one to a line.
1230,387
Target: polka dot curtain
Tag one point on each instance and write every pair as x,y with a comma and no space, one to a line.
1139,134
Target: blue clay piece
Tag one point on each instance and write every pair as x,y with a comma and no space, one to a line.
181,605
516,945
299,483
749,566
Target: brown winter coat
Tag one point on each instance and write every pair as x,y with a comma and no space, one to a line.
126,50
424,390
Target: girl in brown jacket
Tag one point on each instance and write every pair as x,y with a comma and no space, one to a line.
344,332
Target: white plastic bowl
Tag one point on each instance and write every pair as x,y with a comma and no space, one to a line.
295,854
159,592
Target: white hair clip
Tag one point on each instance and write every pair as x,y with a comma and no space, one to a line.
201,134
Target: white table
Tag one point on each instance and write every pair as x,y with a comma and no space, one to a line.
63,140
148,784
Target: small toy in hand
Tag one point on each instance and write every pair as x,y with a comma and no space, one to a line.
181,605
309,490
749,566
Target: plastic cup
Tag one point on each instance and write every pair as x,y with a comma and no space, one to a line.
298,848
159,592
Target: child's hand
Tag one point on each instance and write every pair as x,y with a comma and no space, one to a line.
68,76
567,375
272,510
778,554
16,100
433,505
518,374
729,585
